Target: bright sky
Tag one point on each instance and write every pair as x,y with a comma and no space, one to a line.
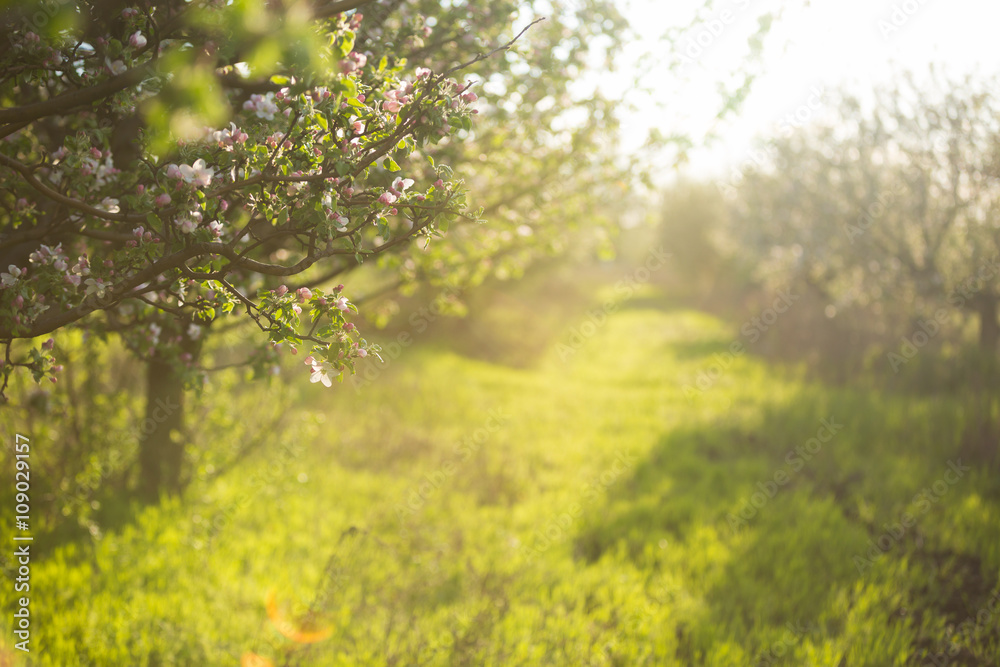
828,43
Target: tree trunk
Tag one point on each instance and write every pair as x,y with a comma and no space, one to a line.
161,451
989,328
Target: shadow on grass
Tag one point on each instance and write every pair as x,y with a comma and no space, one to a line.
771,535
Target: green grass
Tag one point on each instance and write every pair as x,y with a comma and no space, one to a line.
594,526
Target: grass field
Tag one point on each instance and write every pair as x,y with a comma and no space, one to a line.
578,507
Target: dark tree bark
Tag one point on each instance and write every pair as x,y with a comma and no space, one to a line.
989,328
161,452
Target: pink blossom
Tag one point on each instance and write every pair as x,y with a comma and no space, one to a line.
353,62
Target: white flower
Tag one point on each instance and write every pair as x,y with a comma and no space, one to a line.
400,184
262,105
324,372
96,286
10,277
197,173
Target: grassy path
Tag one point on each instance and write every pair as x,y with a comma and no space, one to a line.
583,511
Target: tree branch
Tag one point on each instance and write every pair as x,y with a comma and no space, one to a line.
63,104
25,172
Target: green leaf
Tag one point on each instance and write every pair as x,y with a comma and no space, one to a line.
349,86
347,45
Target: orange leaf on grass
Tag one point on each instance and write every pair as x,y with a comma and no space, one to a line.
250,659
290,628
